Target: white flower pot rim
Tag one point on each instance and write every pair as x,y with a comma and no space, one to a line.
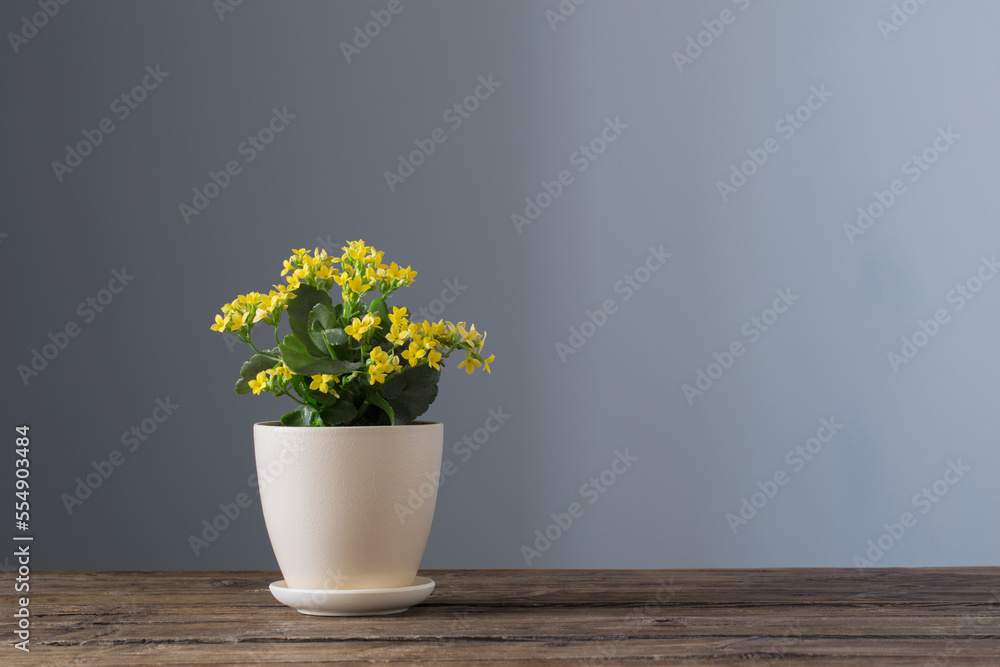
278,424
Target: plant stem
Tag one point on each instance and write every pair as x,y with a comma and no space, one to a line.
295,399
250,343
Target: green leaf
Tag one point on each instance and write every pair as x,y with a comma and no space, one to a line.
326,319
376,399
304,416
339,413
411,392
299,308
335,337
323,316
323,399
295,356
249,370
329,339
301,385
379,308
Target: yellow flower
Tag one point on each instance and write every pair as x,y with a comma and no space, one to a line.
236,321
407,275
220,323
414,353
381,365
433,357
469,364
321,382
263,309
260,382
282,370
325,272
398,315
470,336
397,334
355,328
359,327
376,260
438,329
488,361
358,285
356,250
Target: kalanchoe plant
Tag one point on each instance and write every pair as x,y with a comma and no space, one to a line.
354,363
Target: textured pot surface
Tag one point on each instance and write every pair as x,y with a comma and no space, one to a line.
348,507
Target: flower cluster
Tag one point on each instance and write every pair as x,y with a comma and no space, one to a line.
381,364
322,384
271,379
360,326
363,271
433,341
354,363
316,270
249,309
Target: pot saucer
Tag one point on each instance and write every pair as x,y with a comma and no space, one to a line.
361,602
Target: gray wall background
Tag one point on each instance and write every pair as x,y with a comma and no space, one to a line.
323,178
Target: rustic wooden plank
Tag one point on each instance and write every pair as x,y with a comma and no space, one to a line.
535,623
763,650
817,616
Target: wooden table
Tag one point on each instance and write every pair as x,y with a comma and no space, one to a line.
793,616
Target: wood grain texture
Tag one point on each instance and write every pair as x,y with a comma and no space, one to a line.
935,616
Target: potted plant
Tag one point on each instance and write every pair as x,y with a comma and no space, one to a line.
334,472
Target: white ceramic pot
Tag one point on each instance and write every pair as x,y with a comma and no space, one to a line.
348,507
